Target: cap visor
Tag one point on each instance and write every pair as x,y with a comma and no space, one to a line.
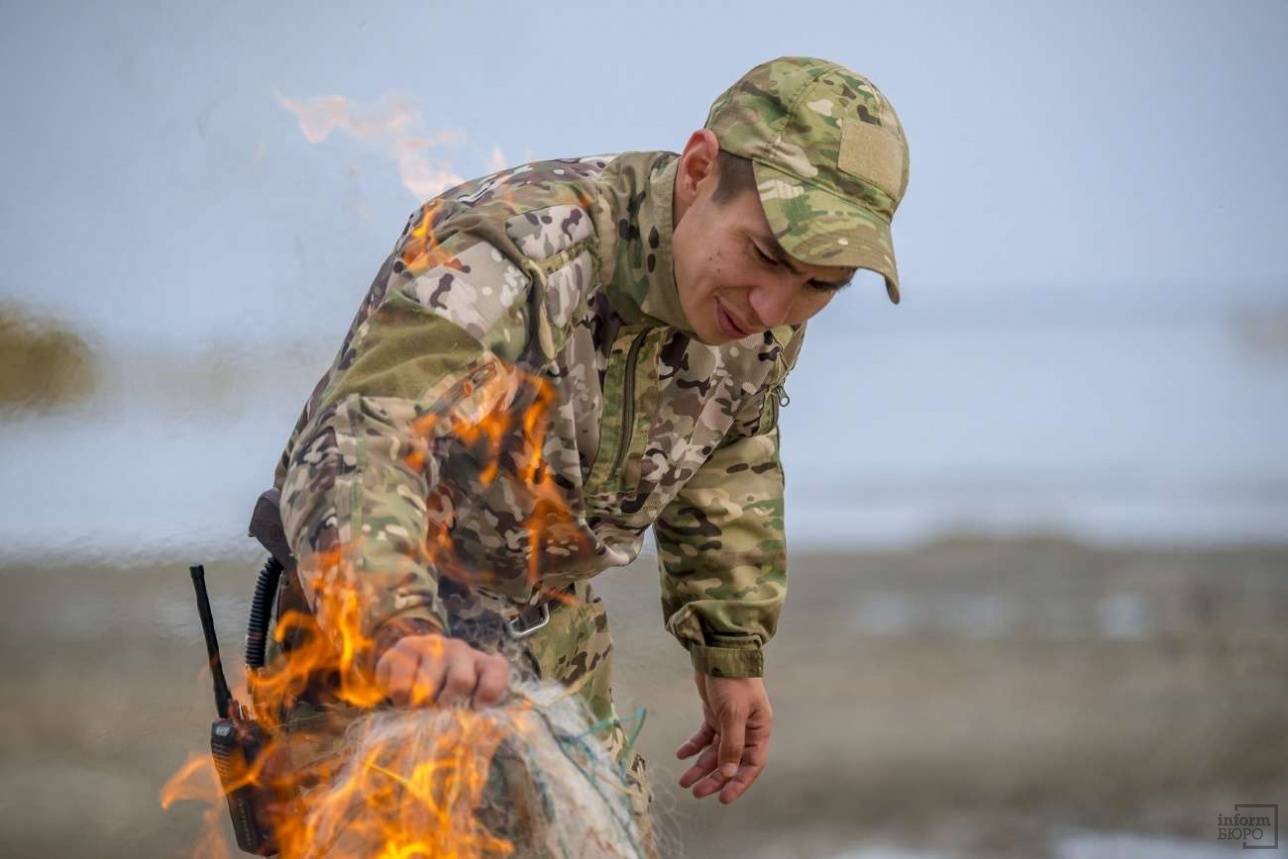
819,227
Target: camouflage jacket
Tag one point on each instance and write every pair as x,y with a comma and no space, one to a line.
520,398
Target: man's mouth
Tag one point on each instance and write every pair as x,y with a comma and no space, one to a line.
728,325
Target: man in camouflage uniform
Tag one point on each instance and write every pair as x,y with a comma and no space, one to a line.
647,311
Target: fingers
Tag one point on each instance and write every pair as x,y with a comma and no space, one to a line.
702,767
732,745
425,684
397,673
733,725
709,785
752,766
494,678
742,780
706,778
425,670
458,681
697,742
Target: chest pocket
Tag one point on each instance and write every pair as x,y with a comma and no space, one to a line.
630,401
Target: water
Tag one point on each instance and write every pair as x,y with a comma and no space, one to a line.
1171,432
1114,433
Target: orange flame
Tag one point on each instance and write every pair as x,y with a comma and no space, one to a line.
347,801
196,780
512,436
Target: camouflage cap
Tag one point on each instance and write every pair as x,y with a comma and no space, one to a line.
830,158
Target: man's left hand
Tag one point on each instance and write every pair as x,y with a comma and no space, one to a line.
733,743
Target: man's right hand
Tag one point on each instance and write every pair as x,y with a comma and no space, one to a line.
434,670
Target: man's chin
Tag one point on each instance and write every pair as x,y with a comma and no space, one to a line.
710,340
713,338
710,334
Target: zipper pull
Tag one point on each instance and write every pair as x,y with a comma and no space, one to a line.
779,392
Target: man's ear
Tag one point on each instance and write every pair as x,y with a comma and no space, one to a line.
697,163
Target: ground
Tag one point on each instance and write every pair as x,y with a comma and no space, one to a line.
971,697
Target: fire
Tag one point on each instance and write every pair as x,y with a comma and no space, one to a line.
408,793
510,434
375,791
409,783
196,780
422,249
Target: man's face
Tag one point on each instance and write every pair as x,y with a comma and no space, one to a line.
732,277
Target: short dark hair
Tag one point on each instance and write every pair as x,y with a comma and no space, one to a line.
736,177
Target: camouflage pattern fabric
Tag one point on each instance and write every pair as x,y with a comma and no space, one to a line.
830,157
520,398
575,649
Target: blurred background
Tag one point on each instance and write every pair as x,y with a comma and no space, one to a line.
1038,512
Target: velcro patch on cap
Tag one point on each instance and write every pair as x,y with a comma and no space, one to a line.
872,154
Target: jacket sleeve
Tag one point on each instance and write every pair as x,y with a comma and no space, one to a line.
722,546
428,346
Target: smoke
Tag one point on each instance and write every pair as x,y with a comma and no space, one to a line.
394,127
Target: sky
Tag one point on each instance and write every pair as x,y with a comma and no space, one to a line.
1093,225
1069,161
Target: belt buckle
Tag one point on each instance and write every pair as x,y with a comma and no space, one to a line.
517,630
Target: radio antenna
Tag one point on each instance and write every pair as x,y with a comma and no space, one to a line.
223,698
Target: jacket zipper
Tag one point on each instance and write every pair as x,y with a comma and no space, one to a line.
628,406
778,394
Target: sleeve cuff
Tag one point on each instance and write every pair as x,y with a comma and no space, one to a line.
393,630
739,661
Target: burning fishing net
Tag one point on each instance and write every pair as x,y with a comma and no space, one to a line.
528,779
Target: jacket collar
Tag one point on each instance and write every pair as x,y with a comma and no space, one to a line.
642,286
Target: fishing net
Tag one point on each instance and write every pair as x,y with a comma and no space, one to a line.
529,779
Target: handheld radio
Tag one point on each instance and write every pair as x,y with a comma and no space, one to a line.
236,741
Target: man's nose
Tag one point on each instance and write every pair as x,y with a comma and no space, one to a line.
772,303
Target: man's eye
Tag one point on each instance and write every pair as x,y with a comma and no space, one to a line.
764,257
